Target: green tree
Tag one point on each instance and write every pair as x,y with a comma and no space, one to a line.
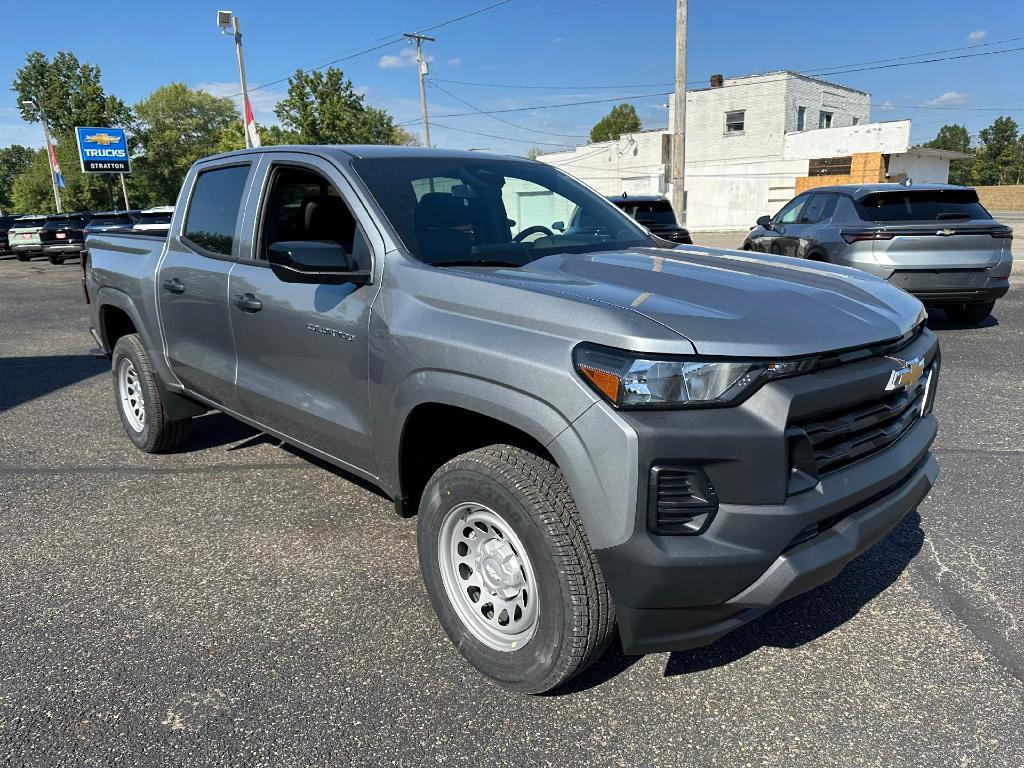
957,139
31,191
69,91
13,160
533,152
324,108
176,126
622,119
233,136
403,138
1000,155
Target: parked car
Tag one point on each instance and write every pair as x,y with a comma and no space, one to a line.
5,224
595,431
935,241
154,221
23,236
62,235
112,221
654,212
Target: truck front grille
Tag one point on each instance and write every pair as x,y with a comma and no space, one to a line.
844,435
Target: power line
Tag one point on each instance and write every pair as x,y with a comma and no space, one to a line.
506,122
503,138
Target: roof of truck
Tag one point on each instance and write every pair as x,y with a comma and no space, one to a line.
373,151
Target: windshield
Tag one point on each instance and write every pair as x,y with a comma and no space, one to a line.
111,221
922,205
657,213
464,211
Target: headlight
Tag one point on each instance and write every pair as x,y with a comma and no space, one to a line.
628,380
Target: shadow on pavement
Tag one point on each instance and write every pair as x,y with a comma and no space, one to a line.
809,616
26,378
938,320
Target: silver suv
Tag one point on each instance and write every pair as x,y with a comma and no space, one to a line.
935,241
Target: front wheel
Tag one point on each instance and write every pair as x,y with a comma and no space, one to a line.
139,402
509,571
970,314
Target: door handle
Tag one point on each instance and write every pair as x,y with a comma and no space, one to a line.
247,302
174,285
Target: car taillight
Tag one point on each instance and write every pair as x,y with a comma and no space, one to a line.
1002,234
856,237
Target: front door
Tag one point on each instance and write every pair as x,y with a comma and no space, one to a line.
192,284
785,232
302,348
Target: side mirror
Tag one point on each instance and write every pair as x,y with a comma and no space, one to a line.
558,226
765,221
302,261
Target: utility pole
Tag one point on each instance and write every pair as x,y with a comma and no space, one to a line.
422,66
679,121
226,19
50,152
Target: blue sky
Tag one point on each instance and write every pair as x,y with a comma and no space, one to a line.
568,47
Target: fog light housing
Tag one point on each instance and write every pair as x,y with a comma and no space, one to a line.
680,501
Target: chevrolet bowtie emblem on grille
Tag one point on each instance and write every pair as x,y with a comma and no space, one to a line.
102,138
946,232
907,375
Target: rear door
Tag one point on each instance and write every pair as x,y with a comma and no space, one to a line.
192,282
302,348
933,229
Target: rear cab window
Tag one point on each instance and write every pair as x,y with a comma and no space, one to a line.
921,205
212,215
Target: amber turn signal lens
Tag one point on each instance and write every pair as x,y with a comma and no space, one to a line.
606,383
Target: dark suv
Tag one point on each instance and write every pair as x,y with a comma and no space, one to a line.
935,241
5,243
62,235
654,212
112,221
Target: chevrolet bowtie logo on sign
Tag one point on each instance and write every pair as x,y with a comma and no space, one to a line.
907,375
102,138
103,150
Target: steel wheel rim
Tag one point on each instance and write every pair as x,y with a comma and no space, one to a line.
133,405
488,577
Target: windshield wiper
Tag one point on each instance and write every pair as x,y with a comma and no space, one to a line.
475,263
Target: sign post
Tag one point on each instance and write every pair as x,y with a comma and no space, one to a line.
104,150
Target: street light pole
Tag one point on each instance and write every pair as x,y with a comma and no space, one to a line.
34,102
224,20
679,122
421,65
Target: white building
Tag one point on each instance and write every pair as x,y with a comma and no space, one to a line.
750,141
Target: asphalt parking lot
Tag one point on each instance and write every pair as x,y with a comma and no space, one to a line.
241,603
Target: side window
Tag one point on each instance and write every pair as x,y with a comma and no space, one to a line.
213,209
791,212
302,205
814,211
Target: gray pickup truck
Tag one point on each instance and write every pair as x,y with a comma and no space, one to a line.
598,434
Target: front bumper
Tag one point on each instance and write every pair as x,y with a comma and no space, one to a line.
677,592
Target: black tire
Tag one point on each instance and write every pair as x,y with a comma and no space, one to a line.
23,256
970,314
159,433
55,259
575,617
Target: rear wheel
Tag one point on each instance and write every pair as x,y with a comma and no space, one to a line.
970,314
509,571
139,402
23,256
56,259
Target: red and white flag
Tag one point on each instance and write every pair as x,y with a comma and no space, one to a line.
250,126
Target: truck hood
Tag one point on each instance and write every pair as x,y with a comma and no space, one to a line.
732,302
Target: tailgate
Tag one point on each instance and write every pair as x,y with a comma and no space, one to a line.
942,245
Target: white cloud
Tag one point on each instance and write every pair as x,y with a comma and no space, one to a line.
406,58
887,106
977,36
456,62
559,40
948,99
263,100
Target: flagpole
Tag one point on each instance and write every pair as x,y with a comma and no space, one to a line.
51,155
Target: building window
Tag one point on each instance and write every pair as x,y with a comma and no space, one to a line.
734,121
856,120
824,119
801,117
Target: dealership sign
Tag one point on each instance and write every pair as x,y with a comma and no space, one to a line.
103,150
